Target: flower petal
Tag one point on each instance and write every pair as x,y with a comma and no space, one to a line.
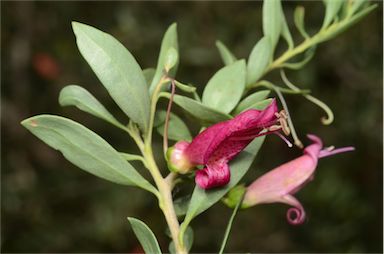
227,139
213,175
295,214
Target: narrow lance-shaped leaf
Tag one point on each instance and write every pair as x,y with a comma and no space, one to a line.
285,31
203,199
203,113
356,5
308,55
188,241
149,73
225,88
261,105
348,23
117,70
177,129
250,100
299,21
226,55
145,236
272,21
258,60
85,149
79,97
332,7
169,41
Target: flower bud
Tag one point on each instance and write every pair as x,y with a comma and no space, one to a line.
176,159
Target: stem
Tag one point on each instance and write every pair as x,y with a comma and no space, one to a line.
165,200
154,99
166,125
164,185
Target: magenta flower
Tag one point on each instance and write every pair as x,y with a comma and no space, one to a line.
217,145
279,184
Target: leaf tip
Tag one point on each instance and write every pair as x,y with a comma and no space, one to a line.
29,123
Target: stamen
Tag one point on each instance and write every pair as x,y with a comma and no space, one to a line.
284,139
325,152
296,139
329,148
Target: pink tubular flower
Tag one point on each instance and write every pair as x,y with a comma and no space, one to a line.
218,144
279,184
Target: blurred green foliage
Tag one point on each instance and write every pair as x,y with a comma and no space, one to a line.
48,205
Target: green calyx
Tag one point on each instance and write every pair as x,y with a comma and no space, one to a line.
234,195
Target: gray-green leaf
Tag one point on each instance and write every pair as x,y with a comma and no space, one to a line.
257,98
177,129
117,70
299,21
203,199
345,24
169,41
149,73
85,149
308,55
272,21
258,60
188,241
226,55
77,96
332,7
145,236
356,5
203,113
225,88
285,31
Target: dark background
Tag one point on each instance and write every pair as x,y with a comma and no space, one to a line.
48,205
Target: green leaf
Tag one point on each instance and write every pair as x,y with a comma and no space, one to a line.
203,199
332,7
145,236
85,149
149,73
261,105
230,222
169,41
181,205
356,5
117,70
251,100
272,21
285,31
308,55
177,129
203,113
258,60
226,55
347,23
185,88
225,88
77,96
188,241
299,21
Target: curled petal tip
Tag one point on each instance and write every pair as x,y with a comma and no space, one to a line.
213,176
295,216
